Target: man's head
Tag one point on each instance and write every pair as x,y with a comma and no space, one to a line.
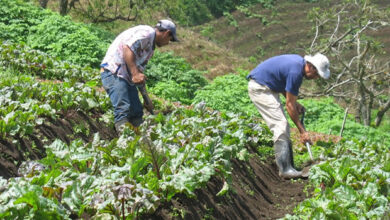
317,65
166,31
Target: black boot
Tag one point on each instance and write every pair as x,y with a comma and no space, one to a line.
284,160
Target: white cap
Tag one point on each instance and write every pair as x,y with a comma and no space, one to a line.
321,63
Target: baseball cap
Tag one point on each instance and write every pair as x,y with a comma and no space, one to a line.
168,25
321,63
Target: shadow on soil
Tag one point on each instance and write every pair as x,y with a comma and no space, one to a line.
15,150
257,192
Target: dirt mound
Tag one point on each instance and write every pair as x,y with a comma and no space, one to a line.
258,193
17,149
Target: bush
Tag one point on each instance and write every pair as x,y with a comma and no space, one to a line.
228,93
63,38
325,116
173,91
56,35
164,67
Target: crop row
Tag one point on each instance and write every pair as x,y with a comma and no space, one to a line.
24,102
132,174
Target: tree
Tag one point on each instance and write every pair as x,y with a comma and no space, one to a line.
63,7
346,33
109,10
43,3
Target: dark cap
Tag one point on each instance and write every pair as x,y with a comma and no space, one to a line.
168,25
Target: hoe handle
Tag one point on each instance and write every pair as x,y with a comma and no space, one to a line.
307,143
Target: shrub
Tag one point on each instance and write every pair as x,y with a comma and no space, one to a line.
56,35
63,38
227,93
325,116
173,91
165,67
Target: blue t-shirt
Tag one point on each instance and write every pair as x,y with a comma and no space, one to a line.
280,73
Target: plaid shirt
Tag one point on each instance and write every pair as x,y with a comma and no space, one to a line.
140,39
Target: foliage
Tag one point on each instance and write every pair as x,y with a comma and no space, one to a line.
170,90
325,116
24,60
132,174
164,67
63,38
344,31
353,182
228,93
25,103
232,21
16,17
52,33
106,11
188,12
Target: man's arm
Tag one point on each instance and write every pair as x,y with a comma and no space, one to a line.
293,109
136,75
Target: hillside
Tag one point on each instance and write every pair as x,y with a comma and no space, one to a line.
203,154
288,30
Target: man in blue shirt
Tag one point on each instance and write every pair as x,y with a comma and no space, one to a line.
284,74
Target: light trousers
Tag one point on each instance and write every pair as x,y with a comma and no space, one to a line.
270,107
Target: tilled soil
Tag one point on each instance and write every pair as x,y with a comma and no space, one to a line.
257,191
15,150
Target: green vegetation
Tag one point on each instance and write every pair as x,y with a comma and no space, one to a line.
353,182
49,32
228,93
24,60
46,69
133,174
325,116
26,103
165,70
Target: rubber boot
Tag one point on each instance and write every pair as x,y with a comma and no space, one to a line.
120,126
284,160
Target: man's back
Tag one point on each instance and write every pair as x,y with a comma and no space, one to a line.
280,73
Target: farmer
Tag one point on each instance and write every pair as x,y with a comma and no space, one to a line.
122,69
284,74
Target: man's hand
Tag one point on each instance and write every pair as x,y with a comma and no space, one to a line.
305,137
138,78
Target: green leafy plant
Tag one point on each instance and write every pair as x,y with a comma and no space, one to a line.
48,31
353,182
172,71
227,93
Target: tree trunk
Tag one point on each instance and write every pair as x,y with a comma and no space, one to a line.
43,3
63,7
382,110
363,106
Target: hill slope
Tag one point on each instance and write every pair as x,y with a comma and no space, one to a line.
287,31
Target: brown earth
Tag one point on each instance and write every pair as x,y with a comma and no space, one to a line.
15,150
258,193
257,190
